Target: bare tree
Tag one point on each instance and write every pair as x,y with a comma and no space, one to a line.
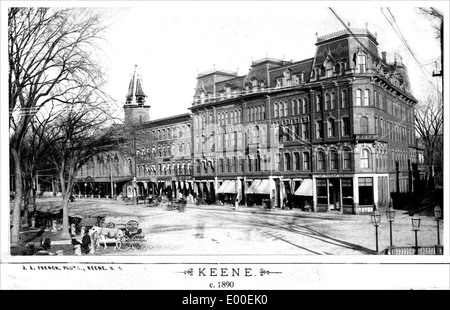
429,125
83,131
50,55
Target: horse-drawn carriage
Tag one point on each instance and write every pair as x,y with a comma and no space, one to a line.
177,204
125,232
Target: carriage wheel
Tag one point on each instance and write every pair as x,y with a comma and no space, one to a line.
132,226
139,243
124,243
110,225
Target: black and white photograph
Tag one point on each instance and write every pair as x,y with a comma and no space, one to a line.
224,145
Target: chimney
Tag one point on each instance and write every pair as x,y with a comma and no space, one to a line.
383,56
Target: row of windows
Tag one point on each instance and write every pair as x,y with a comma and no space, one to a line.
345,127
231,139
179,149
181,131
163,169
394,132
394,108
223,118
256,113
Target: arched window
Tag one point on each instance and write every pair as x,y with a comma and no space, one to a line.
296,161
275,110
366,97
364,125
280,111
346,126
358,96
347,161
285,108
320,160
333,160
365,159
327,101
333,100
318,102
304,106
330,125
319,133
344,101
305,160
294,106
287,162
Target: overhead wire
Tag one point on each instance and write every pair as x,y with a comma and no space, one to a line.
403,40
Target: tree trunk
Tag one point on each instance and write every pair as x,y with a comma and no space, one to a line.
65,205
15,229
26,204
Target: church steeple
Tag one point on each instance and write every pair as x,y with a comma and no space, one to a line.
136,111
136,92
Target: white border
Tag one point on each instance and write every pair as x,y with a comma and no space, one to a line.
160,272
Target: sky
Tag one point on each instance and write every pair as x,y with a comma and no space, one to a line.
171,41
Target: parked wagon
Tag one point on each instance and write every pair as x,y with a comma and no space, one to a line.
177,204
133,236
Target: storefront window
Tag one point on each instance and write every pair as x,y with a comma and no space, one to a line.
365,191
322,193
347,192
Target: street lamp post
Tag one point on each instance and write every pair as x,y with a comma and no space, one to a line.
415,226
375,217
437,216
390,215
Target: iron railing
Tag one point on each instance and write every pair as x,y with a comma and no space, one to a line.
425,250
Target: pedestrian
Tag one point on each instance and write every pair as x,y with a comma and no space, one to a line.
86,242
72,230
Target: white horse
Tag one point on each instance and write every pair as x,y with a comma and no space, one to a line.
111,233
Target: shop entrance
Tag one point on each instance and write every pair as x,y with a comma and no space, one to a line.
334,194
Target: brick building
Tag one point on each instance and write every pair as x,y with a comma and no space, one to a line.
331,132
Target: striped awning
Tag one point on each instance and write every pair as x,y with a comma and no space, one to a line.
222,187
253,186
263,187
305,189
227,187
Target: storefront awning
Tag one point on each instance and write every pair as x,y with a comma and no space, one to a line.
253,186
231,188
222,187
263,188
227,187
305,188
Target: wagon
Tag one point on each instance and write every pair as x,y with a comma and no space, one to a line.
133,236
177,204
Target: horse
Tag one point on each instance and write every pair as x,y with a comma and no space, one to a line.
112,233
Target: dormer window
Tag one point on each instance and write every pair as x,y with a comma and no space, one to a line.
278,83
287,78
202,97
255,84
329,66
361,62
228,91
287,75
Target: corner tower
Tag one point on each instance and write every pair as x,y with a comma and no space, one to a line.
135,109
